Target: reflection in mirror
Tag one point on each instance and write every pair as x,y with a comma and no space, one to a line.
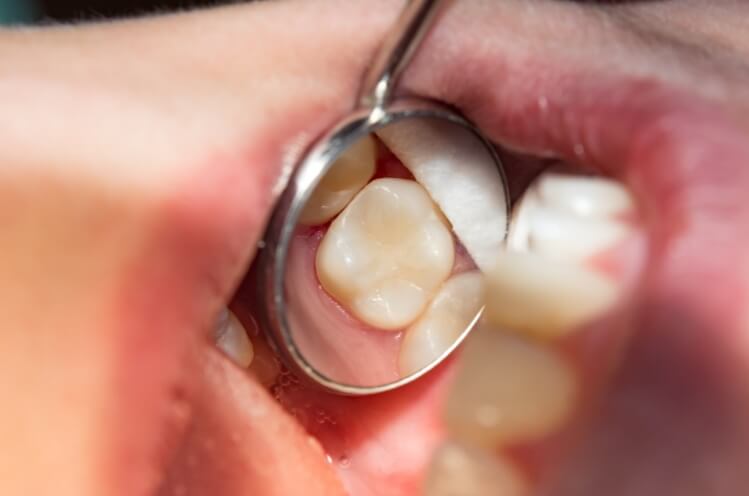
383,274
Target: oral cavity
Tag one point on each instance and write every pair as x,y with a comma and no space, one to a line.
518,383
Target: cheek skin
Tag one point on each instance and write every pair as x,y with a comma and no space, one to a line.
119,247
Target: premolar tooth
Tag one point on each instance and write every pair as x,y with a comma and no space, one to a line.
451,311
509,389
231,337
386,254
536,295
346,176
588,196
460,175
462,470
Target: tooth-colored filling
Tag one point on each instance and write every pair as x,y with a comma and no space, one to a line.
509,390
346,176
460,175
451,311
386,254
570,217
231,337
463,470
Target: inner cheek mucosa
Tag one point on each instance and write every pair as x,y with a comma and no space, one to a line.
375,272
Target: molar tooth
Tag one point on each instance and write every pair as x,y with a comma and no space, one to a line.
533,294
508,389
569,217
460,176
231,337
461,470
586,196
346,177
557,234
386,254
451,311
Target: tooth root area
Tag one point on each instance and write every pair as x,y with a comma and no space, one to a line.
529,293
231,337
462,470
386,254
508,390
570,217
346,176
449,314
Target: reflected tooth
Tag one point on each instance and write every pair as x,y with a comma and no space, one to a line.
346,177
451,311
508,389
533,294
461,470
460,175
231,337
570,217
588,196
387,253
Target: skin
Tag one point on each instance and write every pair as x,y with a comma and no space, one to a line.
141,159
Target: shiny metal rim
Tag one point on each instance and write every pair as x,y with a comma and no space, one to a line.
281,228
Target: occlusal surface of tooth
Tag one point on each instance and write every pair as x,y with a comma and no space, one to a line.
570,217
449,314
536,295
509,389
346,177
231,337
386,254
460,175
458,469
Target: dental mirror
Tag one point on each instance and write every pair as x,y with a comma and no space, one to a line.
370,271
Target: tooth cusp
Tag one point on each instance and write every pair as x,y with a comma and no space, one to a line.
569,217
386,254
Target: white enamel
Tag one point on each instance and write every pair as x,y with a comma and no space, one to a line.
570,217
461,177
586,196
529,293
384,257
346,176
459,469
509,389
231,337
451,311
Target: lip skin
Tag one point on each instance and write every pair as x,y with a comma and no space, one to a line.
683,158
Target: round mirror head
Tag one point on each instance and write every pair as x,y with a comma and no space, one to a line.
375,252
